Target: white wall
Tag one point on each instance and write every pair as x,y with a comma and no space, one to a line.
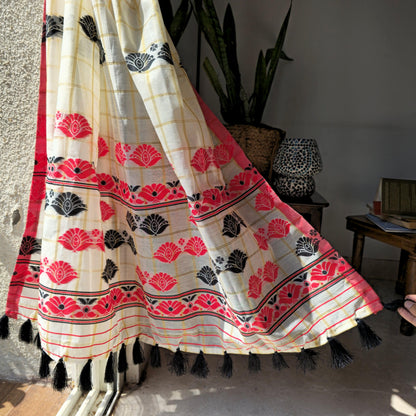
351,86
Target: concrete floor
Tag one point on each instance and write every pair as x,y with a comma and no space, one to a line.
380,382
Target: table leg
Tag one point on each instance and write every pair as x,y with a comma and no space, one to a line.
401,277
316,219
357,251
407,328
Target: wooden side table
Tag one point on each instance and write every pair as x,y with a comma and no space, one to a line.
406,283
310,208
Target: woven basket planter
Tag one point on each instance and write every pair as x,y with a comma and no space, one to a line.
259,143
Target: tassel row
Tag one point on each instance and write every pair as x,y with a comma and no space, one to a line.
306,360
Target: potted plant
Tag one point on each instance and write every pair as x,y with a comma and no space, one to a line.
242,112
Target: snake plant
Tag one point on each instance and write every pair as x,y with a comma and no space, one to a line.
236,106
176,22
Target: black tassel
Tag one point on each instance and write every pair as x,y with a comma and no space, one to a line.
369,339
26,332
4,327
155,356
109,370
36,341
138,354
200,368
394,305
85,378
60,376
44,365
307,360
122,360
178,364
340,356
279,362
253,363
227,366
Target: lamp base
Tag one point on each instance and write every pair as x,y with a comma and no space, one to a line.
294,187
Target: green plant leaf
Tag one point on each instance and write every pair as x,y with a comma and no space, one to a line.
167,12
180,21
272,59
259,88
213,77
284,56
231,41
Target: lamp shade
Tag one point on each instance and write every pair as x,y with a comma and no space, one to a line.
297,158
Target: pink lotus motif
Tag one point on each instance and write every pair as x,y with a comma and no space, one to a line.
61,272
167,252
162,282
201,160
254,286
195,246
106,211
74,125
102,147
75,239
264,202
145,155
278,228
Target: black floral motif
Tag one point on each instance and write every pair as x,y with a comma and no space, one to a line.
306,246
130,242
110,270
67,204
208,276
54,26
232,225
113,239
90,29
132,221
88,26
236,262
154,224
142,61
194,197
301,278
139,62
29,245
87,301
165,54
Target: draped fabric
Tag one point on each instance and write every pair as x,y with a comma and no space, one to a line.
146,219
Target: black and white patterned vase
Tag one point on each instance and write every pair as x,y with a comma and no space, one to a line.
296,161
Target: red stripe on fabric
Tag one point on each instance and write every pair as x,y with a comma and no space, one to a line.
366,292
35,205
231,203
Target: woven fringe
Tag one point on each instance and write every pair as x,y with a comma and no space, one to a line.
369,339
227,366
122,360
394,305
109,369
4,327
138,353
340,356
26,332
44,370
254,365
85,378
279,362
306,360
37,342
178,364
200,367
60,376
155,356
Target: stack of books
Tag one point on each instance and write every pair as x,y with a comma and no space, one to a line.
394,207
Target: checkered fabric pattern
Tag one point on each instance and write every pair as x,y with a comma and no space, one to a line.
147,220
